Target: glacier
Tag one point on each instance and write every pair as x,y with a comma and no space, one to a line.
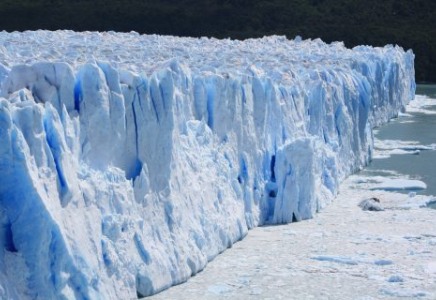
129,161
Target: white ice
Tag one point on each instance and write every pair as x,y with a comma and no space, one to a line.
399,184
422,104
386,148
130,161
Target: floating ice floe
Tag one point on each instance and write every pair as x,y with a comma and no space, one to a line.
387,148
422,104
399,184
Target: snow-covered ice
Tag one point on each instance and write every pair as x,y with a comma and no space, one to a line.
128,161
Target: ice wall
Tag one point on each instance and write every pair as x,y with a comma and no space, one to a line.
128,162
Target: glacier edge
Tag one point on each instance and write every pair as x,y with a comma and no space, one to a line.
118,183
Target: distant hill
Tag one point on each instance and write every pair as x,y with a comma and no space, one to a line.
409,23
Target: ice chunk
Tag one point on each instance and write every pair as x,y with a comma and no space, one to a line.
372,204
423,105
400,184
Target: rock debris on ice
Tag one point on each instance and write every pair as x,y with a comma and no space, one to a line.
372,204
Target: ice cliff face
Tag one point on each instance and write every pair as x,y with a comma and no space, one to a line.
127,162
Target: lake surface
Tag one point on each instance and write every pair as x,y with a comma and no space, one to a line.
417,127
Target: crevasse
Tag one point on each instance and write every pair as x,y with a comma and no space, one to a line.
127,161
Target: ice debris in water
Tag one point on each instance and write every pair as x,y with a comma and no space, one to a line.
129,161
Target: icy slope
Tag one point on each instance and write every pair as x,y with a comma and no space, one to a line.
127,162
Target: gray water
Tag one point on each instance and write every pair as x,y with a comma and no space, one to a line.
422,130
